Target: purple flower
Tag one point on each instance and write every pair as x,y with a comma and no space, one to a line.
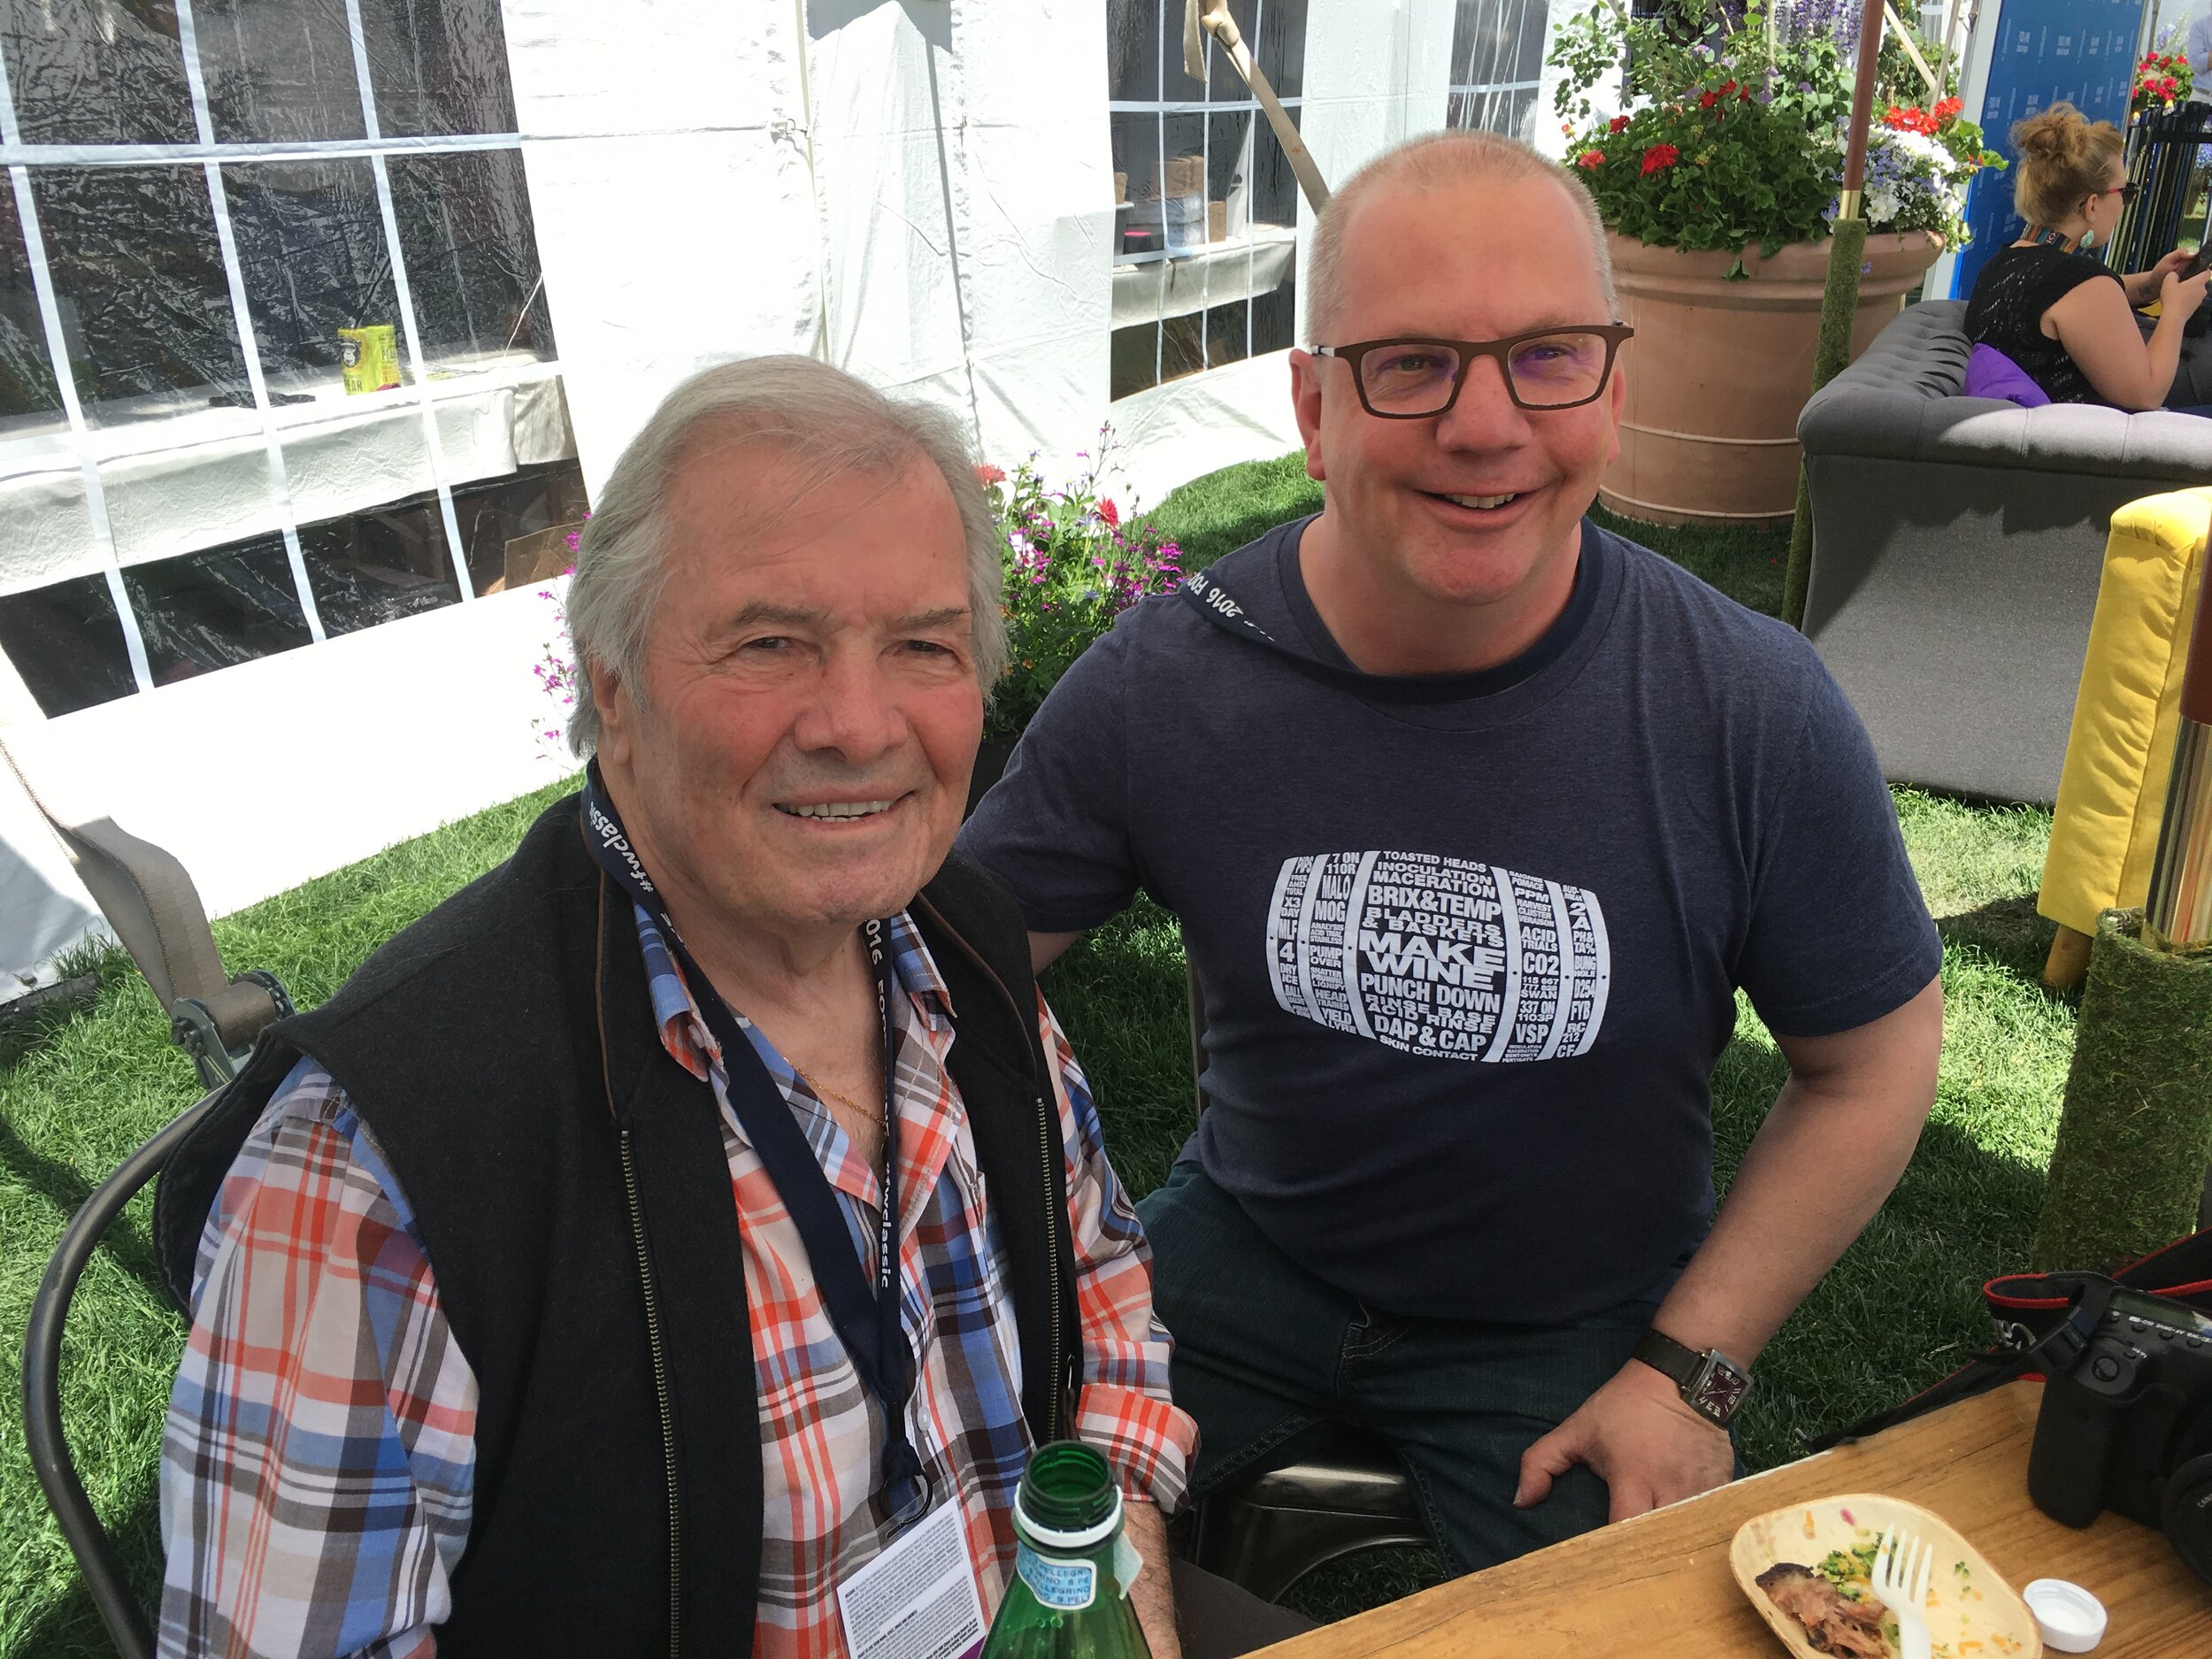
1801,20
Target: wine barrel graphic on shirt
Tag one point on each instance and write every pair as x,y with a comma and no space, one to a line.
1439,956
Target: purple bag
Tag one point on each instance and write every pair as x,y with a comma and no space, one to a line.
1991,374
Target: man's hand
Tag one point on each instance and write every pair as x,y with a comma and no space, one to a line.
1636,1435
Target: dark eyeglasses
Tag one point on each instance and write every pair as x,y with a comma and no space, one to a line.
2125,192
1411,378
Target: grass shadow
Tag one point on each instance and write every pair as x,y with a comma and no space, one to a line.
2010,932
29,1021
61,1186
70,1627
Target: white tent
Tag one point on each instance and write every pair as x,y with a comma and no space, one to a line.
274,623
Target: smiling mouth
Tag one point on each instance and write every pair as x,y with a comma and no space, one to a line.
835,811
1481,503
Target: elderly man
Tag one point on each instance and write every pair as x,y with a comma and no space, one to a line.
1476,817
678,1240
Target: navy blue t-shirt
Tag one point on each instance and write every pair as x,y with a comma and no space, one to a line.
1470,944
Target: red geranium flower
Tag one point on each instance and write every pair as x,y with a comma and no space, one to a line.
1107,511
1707,99
1591,158
1619,123
1949,108
986,473
1659,158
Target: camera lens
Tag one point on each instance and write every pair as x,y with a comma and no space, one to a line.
2186,1515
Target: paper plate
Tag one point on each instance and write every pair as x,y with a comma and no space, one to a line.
1972,1613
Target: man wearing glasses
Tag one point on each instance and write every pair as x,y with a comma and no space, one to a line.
1475,816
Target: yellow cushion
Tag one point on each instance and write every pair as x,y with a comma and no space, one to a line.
2113,790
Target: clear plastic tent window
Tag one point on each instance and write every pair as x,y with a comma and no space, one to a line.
276,360
1207,206
1497,62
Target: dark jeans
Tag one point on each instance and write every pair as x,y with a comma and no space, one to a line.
1219,1620
1264,1350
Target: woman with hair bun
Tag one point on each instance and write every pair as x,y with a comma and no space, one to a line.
2066,319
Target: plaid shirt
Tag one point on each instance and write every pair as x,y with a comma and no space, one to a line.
318,1467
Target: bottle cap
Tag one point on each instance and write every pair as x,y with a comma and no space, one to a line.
2071,1619
1067,1498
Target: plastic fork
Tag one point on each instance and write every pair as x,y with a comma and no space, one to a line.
1902,1565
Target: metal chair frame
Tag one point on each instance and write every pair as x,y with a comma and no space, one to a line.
42,1433
148,900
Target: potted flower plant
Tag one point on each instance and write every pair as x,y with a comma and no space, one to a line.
1717,184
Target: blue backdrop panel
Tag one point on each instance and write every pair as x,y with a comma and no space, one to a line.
2082,51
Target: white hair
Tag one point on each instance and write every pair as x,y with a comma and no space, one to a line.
1434,162
826,420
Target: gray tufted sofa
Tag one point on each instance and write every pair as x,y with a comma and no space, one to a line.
1957,544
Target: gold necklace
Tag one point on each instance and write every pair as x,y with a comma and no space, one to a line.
825,1092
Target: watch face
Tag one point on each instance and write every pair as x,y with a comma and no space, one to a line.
1718,1389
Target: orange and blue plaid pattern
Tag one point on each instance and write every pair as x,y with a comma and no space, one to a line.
319,1457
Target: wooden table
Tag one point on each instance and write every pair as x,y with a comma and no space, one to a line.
1659,1587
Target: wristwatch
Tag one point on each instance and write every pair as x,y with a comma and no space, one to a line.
1712,1385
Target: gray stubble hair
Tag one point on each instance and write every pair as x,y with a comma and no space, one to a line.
1437,161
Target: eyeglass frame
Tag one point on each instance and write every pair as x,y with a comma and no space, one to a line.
1352,354
2127,190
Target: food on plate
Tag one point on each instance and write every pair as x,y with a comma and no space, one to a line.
1836,1621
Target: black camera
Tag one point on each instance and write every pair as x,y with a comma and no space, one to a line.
2128,1425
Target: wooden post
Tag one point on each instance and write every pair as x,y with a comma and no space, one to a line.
1840,305
2069,959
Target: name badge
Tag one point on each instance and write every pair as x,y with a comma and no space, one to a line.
918,1600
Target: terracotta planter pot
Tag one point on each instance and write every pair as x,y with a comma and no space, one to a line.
1719,371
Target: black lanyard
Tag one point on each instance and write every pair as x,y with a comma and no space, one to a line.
867,1318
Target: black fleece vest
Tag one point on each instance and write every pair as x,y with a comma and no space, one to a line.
570,1191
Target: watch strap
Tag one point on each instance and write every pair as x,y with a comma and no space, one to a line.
1711,1383
1669,1358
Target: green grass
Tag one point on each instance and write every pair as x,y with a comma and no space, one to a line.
1221,512
1900,1310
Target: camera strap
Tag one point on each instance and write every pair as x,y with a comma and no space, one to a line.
2043,1321
2080,1302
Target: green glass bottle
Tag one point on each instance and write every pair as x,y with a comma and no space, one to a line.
1069,1597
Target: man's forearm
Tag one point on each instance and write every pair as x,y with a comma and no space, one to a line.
1154,1592
1819,1168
